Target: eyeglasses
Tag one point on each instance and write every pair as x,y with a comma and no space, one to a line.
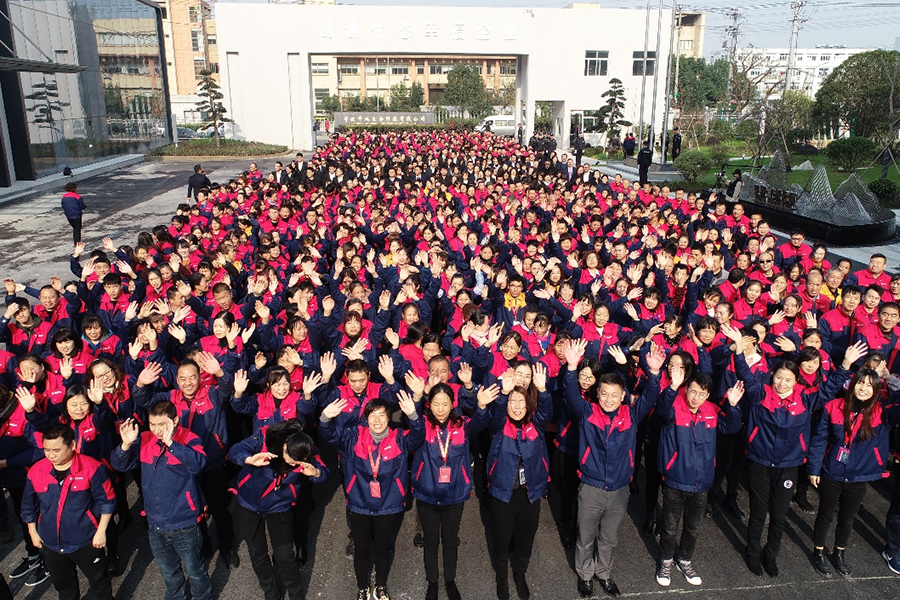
102,374
765,261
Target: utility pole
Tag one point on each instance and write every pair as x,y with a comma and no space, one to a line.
677,51
796,21
734,32
644,76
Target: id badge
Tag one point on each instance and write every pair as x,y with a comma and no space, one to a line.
375,489
444,475
521,476
843,455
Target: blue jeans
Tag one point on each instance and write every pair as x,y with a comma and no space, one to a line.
174,550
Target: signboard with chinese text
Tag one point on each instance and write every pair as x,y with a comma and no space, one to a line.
383,118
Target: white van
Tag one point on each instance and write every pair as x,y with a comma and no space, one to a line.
500,125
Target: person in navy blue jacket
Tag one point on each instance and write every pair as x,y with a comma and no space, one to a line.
171,459
68,503
606,444
778,417
376,480
275,462
442,479
518,472
849,449
687,461
73,206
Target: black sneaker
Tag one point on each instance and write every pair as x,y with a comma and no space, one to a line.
28,564
419,540
37,576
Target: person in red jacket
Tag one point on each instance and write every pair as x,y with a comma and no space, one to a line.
68,503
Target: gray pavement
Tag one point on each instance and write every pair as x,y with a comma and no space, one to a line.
34,243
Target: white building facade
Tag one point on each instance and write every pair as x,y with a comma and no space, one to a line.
811,66
566,56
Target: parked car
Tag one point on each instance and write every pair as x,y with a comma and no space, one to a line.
188,134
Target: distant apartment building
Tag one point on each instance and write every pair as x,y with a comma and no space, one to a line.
811,67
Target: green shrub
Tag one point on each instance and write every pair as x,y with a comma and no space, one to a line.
207,147
719,154
887,190
720,131
693,164
848,154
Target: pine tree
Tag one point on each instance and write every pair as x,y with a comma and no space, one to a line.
211,104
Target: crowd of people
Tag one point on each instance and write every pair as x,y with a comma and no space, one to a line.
447,313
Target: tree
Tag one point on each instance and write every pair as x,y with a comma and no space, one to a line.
754,80
611,115
399,97
210,105
701,84
465,90
331,104
416,96
787,115
505,97
863,95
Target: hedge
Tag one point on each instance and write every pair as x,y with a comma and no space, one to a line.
207,147
379,128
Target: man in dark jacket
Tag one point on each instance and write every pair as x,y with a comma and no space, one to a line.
68,503
73,206
171,458
644,160
197,182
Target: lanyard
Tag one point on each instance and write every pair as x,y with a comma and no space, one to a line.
444,447
854,429
375,464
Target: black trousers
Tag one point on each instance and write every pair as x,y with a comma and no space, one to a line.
842,499
16,495
214,484
370,531
514,523
91,561
729,464
892,520
643,173
771,490
440,526
252,527
678,504
565,474
76,228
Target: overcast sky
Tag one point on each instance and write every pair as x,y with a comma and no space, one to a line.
853,23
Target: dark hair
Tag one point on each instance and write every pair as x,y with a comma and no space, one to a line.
373,405
703,380
287,435
164,408
71,186
865,408
415,332
687,362
442,388
65,334
809,353
58,431
788,365
71,392
276,374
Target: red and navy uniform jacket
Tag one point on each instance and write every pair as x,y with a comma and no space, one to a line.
511,444
868,459
65,312
170,477
687,441
887,344
80,364
837,330
21,341
266,411
745,313
788,254
360,452
260,489
864,279
20,446
428,461
109,347
93,434
606,443
67,513
204,415
49,392
8,364
777,428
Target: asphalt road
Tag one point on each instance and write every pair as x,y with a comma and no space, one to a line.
35,241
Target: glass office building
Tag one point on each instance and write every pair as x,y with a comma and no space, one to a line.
82,80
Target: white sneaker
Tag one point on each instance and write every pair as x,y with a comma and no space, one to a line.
664,572
690,573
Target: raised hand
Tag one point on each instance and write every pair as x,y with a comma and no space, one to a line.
327,364
508,381
260,360
656,358
26,399
311,383
539,376
735,394
247,333
785,344
260,459
464,374
486,395
415,384
335,408
65,368
618,355
392,338
386,368
854,353
573,352
241,382
95,391
208,363
262,311
149,374
178,332
128,431
407,404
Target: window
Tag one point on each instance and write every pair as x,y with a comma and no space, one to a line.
400,70
321,94
439,69
686,45
199,65
825,57
164,12
638,66
211,40
799,58
813,57
349,69
193,14
508,69
376,69
420,68
596,62
195,40
320,68
782,57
